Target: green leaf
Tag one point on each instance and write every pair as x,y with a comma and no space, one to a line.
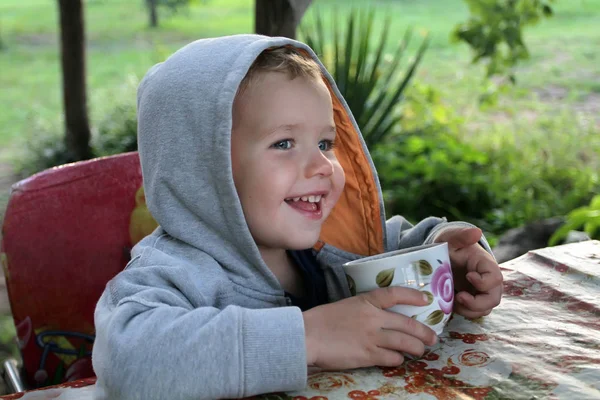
372,87
348,52
591,226
563,231
435,317
424,267
384,278
82,351
59,374
336,49
375,107
400,89
494,31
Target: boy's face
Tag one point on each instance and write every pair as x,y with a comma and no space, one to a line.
284,168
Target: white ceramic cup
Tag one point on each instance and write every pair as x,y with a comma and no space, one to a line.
425,268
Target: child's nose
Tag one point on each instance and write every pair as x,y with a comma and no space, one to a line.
319,164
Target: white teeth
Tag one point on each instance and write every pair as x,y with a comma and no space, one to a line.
310,199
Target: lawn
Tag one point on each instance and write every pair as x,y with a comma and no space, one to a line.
561,76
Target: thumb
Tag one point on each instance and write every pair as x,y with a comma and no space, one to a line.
460,237
390,296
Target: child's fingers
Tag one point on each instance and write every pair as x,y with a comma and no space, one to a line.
486,281
465,312
403,325
486,274
458,238
394,340
481,270
481,302
387,358
390,296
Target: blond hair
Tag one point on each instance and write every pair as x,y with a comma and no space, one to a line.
281,59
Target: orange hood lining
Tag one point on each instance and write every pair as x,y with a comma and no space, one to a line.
354,225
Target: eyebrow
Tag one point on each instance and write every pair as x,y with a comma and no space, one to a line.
284,127
291,127
330,128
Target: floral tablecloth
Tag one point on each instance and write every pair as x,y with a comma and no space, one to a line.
542,342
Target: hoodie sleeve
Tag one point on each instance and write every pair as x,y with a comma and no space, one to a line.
402,234
155,344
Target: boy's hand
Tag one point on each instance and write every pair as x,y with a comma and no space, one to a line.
477,277
358,332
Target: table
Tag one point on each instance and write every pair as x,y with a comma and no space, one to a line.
542,342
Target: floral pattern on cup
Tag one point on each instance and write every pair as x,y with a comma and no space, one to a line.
385,277
424,267
442,287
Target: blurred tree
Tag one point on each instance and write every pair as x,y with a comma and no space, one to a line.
72,43
279,18
494,31
153,12
172,5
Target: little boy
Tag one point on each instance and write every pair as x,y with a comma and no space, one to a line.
257,174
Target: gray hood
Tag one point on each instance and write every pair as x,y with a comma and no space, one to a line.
186,103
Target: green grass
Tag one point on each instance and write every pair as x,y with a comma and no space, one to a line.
120,45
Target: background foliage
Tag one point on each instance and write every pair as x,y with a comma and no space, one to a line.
446,139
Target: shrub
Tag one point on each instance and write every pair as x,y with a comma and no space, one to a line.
44,148
117,132
425,169
587,217
540,171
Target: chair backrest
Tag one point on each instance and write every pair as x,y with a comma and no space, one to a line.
67,231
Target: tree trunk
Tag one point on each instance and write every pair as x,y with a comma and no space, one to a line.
151,4
279,17
72,40
1,42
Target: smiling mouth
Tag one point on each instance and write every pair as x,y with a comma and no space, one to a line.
310,203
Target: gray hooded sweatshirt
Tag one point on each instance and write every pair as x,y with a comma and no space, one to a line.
197,314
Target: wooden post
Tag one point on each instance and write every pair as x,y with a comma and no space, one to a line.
279,17
151,4
72,41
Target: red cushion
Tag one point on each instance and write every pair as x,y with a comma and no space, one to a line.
67,231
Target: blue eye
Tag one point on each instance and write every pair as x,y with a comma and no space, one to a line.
326,145
282,145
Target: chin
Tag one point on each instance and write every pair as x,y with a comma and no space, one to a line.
302,243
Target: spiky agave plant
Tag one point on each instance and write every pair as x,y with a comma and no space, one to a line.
372,87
